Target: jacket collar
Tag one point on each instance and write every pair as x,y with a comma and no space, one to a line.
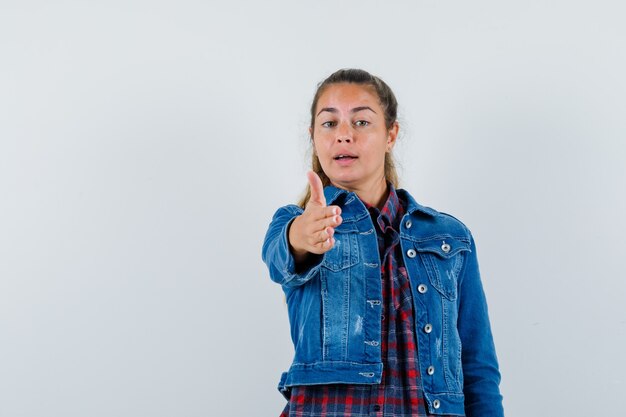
334,194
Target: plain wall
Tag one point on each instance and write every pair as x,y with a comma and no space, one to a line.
145,145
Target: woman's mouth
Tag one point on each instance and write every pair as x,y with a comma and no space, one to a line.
345,159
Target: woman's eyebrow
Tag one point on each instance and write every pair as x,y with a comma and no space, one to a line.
328,109
358,109
354,110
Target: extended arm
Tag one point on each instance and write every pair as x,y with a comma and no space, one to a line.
276,253
297,238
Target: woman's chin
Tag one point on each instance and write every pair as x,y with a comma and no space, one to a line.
345,182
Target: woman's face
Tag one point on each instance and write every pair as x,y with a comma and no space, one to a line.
350,136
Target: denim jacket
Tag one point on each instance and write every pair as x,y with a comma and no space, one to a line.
335,306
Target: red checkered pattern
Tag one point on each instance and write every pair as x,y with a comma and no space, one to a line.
400,393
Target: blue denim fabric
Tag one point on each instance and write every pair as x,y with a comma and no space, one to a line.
335,306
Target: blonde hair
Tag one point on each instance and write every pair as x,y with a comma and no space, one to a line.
388,103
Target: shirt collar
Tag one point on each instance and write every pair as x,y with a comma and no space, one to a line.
335,195
390,209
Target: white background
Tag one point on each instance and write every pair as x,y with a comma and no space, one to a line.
144,146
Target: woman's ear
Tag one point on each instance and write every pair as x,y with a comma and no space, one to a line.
392,136
312,141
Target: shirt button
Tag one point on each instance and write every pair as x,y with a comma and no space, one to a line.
428,328
411,253
436,404
445,247
408,224
422,288
430,370
377,407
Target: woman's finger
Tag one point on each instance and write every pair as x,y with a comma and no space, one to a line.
318,213
322,236
328,244
322,224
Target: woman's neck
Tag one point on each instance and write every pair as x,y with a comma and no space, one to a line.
374,195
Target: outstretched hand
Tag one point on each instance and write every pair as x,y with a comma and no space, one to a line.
313,230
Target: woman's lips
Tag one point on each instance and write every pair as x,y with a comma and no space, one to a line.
345,160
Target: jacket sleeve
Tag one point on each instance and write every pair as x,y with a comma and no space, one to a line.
481,373
276,253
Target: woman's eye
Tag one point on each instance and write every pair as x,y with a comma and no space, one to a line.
361,123
328,124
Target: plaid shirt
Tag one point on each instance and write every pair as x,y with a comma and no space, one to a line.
399,394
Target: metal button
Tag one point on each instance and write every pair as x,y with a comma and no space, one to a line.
422,288
436,404
408,224
428,328
411,253
445,247
430,370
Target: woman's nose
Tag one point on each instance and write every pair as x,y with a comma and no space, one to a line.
344,133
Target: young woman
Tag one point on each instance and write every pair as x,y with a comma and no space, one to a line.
387,311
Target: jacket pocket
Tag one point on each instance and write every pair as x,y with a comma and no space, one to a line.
345,253
443,258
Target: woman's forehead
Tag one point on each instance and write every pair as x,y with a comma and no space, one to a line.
348,95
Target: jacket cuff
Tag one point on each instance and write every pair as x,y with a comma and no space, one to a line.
293,277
